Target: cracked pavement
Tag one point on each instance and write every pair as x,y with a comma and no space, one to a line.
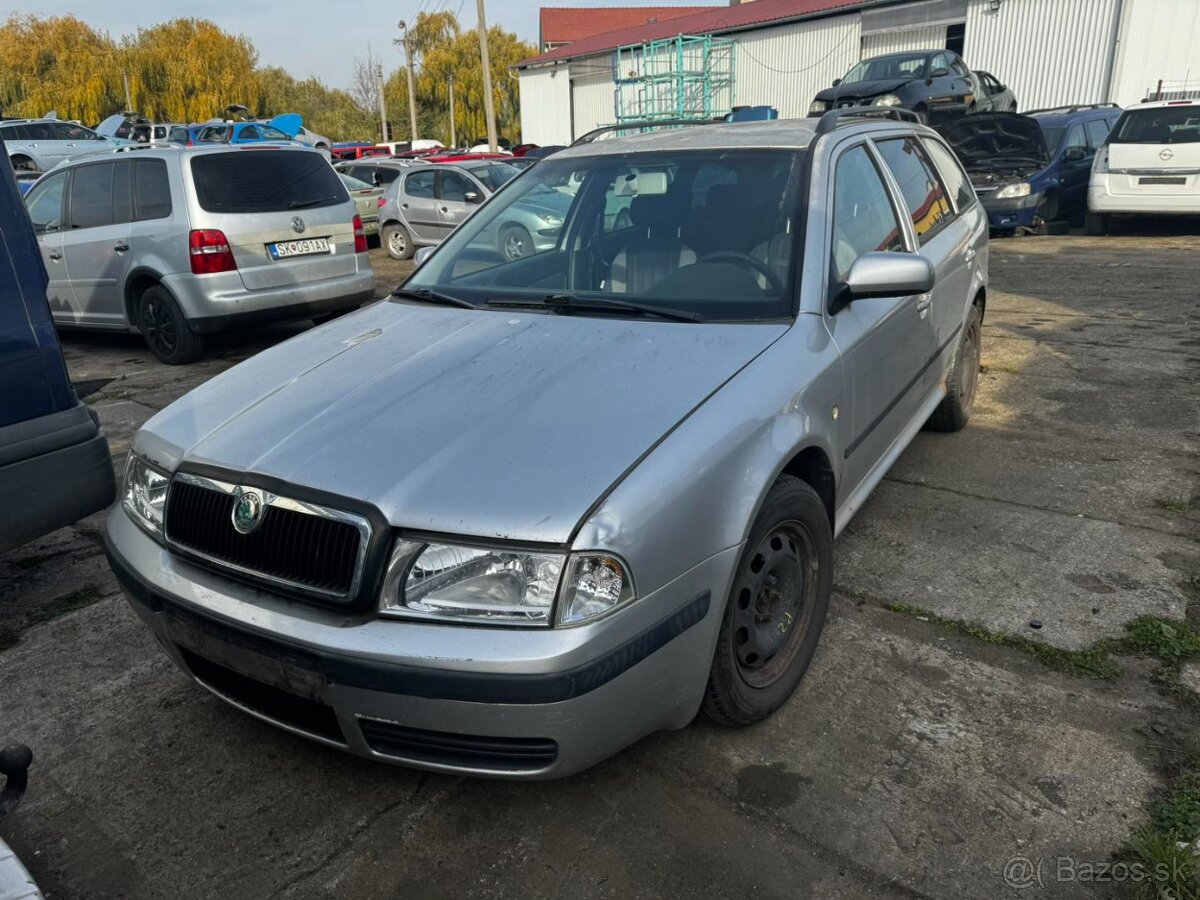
912,761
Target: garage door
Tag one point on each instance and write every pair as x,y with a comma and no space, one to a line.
910,26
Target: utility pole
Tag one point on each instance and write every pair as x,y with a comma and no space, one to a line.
453,133
489,102
128,101
412,97
382,105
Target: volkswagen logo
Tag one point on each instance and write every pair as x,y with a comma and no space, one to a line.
249,508
298,225
1167,154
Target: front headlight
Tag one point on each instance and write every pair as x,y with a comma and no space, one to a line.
887,100
145,494
817,107
1012,191
452,582
550,219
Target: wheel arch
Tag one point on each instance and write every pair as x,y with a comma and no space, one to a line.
139,280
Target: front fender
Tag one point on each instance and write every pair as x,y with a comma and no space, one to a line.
698,492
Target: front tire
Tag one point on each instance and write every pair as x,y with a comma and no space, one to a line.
166,331
776,609
398,242
515,242
23,164
955,409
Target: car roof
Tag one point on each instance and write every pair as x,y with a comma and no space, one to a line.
152,152
1158,104
782,134
1064,114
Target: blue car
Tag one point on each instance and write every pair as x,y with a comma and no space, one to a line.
54,461
240,133
1031,170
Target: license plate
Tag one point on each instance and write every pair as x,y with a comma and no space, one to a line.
306,247
1163,179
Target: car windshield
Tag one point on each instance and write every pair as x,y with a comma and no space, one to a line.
885,68
494,175
703,233
1159,125
353,184
1053,135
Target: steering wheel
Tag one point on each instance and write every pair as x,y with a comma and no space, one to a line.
750,262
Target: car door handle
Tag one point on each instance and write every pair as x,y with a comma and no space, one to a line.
923,304
445,209
969,255
54,254
121,248
404,206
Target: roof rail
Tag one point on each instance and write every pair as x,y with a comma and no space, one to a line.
640,124
833,118
1071,107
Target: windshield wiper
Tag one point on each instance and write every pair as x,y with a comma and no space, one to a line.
425,295
562,303
307,204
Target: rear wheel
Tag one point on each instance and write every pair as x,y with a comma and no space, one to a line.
776,610
1095,224
166,331
397,241
1048,210
954,411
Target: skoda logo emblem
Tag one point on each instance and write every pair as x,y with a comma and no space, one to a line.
1167,154
298,225
249,507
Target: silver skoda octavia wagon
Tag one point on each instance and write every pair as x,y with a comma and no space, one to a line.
531,510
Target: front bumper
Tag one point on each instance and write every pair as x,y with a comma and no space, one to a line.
1010,214
500,702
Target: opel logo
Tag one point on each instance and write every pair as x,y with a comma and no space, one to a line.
1167,154
298,225
249,508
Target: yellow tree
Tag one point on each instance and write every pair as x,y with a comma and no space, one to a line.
59,64
189,70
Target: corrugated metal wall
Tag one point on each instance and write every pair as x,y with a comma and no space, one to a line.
1050,52
786,66
546,106
592,94
1159,39
901,41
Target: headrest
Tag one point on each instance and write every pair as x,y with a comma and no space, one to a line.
652,210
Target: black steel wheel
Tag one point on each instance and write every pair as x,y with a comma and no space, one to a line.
962,383
165,329
776,608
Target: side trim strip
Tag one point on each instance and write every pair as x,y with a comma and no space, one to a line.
900,396
419,681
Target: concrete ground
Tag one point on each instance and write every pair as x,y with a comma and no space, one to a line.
914,760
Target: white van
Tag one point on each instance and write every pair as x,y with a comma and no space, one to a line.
1149,165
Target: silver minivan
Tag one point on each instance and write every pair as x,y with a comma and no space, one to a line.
531,510
179,243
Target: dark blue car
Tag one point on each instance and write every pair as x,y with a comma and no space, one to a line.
1031,170
54,461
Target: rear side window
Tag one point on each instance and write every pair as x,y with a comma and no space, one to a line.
152,197
1158,125
180,135
1097,131
385,174
92,196
419,184
922,190
252,181
956,180
41,131
864,219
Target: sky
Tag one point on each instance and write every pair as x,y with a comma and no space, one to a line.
314,37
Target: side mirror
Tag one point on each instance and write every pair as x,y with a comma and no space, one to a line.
472,197
1075,154
836,82
880,274
422,254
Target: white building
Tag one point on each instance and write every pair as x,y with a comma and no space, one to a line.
1050,52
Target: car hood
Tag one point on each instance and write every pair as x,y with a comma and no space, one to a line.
288,123
491,424
985,139
863,89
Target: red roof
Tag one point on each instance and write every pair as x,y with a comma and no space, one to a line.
713,20
560,25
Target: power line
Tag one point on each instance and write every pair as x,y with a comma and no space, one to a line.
838,46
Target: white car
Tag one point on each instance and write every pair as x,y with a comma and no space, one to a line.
1150,164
